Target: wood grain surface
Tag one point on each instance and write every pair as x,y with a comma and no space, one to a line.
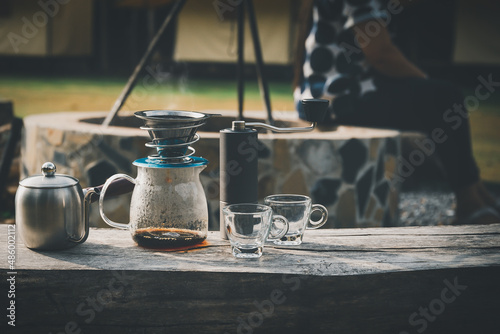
382,280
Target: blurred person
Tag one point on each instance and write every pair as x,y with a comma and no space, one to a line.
349,59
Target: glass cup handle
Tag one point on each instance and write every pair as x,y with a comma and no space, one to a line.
318,223
101,200
280,232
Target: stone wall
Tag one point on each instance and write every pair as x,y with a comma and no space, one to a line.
348,170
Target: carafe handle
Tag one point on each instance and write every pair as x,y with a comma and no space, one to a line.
101,200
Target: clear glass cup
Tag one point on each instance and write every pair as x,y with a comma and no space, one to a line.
297,209
248,227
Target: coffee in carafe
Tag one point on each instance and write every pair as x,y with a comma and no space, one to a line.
165,238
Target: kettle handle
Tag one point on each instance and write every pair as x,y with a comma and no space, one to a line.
101,200
88,193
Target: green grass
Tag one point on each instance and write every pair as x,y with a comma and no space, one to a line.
41,95
33,95
485,132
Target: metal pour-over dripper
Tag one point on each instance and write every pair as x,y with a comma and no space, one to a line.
172,132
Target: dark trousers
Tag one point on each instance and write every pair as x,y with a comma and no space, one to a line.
431,106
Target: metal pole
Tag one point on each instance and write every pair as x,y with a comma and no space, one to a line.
138,69
103,38
264,89
241,60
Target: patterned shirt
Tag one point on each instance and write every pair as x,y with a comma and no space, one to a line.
334,65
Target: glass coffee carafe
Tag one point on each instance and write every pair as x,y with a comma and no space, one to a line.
168,208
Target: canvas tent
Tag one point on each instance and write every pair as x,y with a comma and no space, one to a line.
207,33
477,32
46,28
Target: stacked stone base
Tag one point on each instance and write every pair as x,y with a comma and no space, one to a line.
352,171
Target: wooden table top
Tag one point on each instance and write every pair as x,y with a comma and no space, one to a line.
378,280
325,252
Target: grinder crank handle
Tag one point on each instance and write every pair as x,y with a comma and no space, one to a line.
314,109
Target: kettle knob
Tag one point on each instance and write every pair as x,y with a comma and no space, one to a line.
48,169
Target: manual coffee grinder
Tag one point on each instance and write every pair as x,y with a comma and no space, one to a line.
168,208
239,156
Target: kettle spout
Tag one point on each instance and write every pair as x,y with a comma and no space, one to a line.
90,195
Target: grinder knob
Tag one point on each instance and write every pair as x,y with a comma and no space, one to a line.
315,109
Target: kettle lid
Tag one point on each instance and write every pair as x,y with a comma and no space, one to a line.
49,179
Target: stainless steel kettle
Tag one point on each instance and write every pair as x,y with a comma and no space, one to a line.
52,209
